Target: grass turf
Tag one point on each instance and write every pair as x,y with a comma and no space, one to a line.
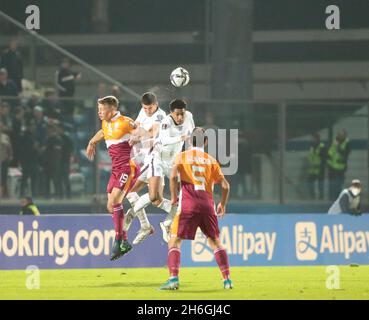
196,283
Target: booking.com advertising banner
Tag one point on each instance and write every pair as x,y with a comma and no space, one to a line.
84,241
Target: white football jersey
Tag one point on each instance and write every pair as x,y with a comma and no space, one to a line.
146,123
169,142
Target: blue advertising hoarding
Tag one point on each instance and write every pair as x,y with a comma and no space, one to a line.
84,241
285,240
72,241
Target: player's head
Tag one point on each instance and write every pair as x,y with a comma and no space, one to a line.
178,110
149,103
199,138
25,201
107,107
356,187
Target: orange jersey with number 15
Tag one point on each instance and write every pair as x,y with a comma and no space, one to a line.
198,173
117,133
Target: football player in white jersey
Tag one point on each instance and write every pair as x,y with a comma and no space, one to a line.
175,129
148,120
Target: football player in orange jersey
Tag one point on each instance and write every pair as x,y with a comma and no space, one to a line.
198,172
117,130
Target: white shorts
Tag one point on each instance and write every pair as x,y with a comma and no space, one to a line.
158,168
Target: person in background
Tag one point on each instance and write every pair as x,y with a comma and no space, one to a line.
337,157
11,60
18,124
67,150
5,118
29,156
41,122
51,159
116,92
65,81
6,155
28,207
348,201
316,167
101,91
8,88
51,105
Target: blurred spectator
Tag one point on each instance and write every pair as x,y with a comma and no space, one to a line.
41,122
348,201
67,150
34,100
209,121
28,207
116,92
316,168
51,105
7,88
51,160
101,91
6,155
17,128
337,157
11,60
65,80
5,118
29,156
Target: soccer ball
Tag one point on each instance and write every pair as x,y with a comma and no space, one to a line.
179,77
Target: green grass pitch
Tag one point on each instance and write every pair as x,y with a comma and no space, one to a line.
195,283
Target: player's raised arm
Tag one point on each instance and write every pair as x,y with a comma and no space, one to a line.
91,147
174,184
221,208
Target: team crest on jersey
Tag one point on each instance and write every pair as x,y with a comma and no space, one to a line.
159,117
180,128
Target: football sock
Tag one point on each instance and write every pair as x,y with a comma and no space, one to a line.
145,223
221,258
118,219
142,202
132,197
165,205
174,260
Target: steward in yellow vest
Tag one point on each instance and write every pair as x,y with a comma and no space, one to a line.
337,162
28,207
316,160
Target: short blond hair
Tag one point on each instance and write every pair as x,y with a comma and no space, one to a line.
110,101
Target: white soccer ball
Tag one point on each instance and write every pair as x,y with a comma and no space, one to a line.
179,77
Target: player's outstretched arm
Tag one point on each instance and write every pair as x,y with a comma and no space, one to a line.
174,185
221,209
91,147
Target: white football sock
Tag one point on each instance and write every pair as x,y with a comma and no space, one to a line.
145,223
166,205
132,198
142,202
